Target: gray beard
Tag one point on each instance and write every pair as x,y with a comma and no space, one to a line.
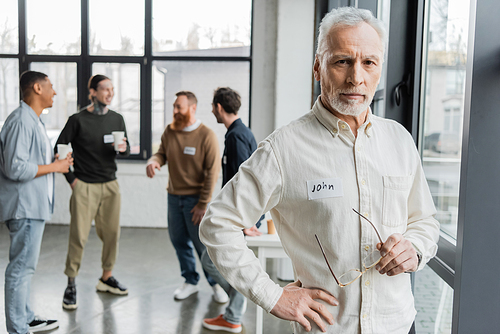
348,109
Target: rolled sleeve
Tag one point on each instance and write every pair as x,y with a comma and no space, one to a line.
255,189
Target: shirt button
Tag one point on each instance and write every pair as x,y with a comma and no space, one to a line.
335,130
365,214
367,248
363,182
359,149
365,316
343,126
367,283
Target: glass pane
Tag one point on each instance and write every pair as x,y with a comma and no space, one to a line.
443,106
9,35
126,80
201,78
383,14
433,302
214,28
54,27
63,78
9,87
119,34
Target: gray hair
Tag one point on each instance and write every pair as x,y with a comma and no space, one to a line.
348,16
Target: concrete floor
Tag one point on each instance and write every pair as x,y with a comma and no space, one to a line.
147,265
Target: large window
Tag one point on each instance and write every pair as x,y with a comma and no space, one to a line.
149,55
443,105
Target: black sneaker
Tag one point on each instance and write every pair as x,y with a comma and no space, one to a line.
69,300
111,285
40,325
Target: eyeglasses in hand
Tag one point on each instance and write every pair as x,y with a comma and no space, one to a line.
368,262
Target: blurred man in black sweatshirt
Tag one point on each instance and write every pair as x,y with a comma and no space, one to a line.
96,194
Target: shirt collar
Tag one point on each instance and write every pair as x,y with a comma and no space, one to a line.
192,127
29,111
234,124
335,124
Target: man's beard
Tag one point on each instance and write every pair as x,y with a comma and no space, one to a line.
180,121
350,108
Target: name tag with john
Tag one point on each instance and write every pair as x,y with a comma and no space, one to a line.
189,150
108,139
325,188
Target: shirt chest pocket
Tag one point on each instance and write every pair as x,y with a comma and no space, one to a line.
395,204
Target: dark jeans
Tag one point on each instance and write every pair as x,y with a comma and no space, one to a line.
185,236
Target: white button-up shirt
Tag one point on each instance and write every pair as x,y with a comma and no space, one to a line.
310,174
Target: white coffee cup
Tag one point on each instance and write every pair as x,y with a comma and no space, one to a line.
63,150
118,136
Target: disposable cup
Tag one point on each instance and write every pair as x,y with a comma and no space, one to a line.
270,227
63,150
118,136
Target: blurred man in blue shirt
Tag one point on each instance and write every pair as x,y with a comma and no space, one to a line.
239,145
27,196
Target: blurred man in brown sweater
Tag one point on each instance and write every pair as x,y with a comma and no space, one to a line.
192,152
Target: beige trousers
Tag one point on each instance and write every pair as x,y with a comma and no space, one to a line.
99,202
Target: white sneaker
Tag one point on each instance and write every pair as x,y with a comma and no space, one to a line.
220,296
185,291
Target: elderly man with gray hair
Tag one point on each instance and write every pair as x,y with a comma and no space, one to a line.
347,193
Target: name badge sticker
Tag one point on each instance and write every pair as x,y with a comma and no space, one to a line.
189,150
108,139
325,188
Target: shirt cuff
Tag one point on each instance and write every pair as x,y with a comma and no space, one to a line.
268,295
